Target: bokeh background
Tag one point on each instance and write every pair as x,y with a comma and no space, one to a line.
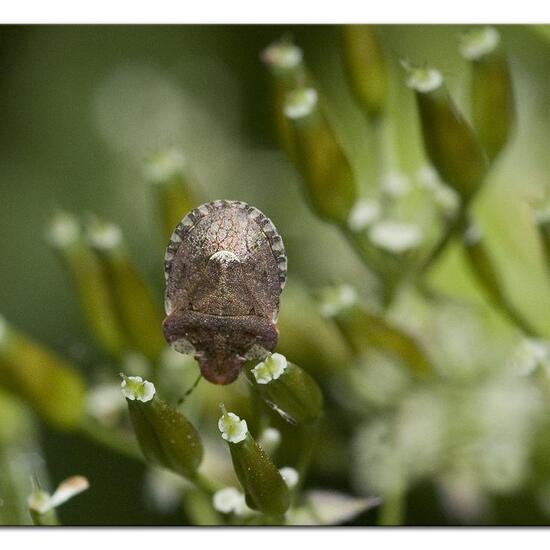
82,106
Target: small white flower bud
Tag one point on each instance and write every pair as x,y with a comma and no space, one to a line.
63,231
424,80
396,237
232,428
290,475
104,236
300,103
479,42
135,388
165,165
283,55
270,439
364,213
270,369
230,500
336,299
395,184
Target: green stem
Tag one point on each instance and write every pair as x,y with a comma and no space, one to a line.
392,509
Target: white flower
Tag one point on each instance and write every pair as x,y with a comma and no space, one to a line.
395,184
270,439
135,388
232,428
300,103
395,236
270,369
230,500
336,299
290,476
165,165
479,42
104,236
364,213
424,79
63,231
41,502
283,55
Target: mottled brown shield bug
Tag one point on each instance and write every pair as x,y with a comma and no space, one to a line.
225,267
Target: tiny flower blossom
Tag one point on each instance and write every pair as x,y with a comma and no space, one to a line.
42,502
270,369
424,80
396,237
364,213
270,439
232,428
165,165
300,103
63,231
336,299
104,236
479,42
283,55
230,500
290,475
135,388
395,184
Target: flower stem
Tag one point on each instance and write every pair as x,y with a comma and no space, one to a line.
392,509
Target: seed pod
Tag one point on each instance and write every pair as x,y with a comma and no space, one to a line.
90,283
48,383
264,487
481,263
491,94
329,182
288,389
165,436
450,141
285,63
365,68
169,174
133,299
363,329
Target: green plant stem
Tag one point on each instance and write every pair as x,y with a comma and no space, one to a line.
392,509
11,491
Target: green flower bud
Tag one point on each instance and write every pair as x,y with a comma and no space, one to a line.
264,486
167,171
48,383
328,178
90,283
364,329
450,142
288,389
285,63
165,436
492,95
132,297
365,67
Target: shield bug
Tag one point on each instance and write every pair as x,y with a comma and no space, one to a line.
225,267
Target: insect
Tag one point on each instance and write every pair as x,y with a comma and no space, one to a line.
225,267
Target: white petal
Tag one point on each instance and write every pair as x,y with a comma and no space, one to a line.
68,489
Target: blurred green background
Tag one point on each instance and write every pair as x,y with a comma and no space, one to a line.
82,106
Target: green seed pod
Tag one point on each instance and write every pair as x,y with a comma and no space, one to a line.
364,329
133,299
264,487
543,224
287,70
288,389
167,171
90,283
492,95
365,66
450,141
481,263
329,181
48,383
165,436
